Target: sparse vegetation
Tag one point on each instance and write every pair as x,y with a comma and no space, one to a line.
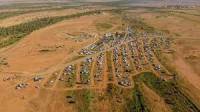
3,61
138,25
165,62
5,15
127,100
45,50
171,92
137,104
17,32
103,26
84,98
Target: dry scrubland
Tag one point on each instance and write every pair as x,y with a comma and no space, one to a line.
49,50
36,15
17,16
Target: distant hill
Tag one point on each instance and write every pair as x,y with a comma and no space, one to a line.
122,2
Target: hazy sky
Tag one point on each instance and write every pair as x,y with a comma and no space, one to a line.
132,1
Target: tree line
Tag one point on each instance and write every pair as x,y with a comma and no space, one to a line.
18,31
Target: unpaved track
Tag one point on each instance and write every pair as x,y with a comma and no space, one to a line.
78,79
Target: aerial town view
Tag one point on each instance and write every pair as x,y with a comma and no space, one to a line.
99,55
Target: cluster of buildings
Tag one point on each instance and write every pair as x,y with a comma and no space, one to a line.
85,71
68,76
130,53
100,61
